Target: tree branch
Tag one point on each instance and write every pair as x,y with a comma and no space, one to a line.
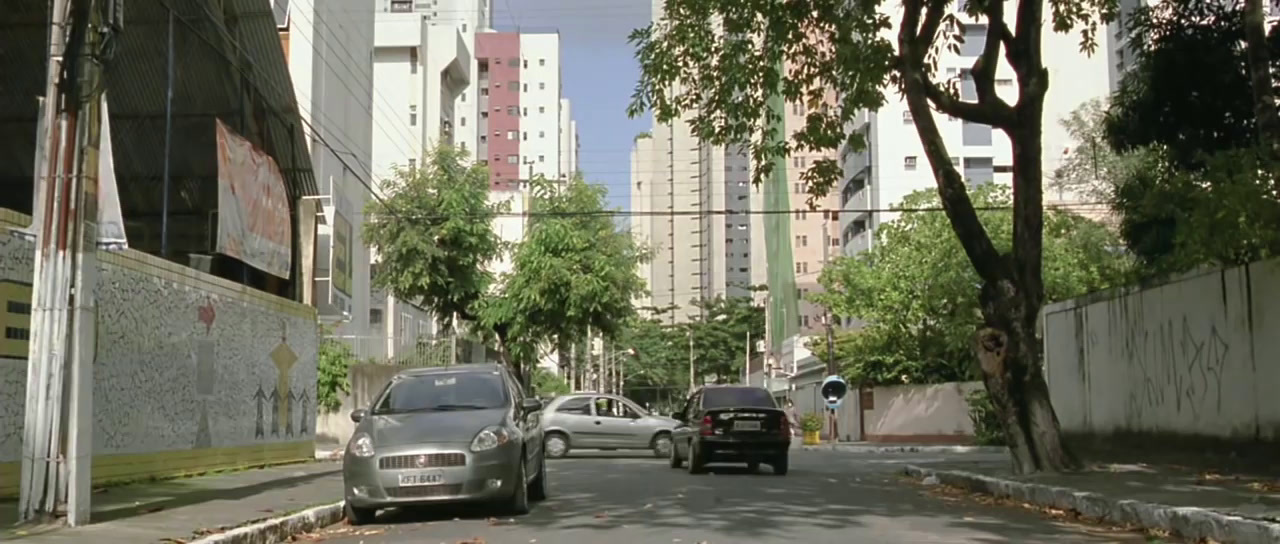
989,109
984,67
969,230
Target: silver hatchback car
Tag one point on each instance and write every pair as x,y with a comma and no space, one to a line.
604,422
445,434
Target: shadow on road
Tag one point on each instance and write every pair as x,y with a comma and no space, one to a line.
606,494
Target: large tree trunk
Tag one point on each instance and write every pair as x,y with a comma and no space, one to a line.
1012,290
1264,100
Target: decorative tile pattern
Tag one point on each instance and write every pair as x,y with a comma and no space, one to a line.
183,361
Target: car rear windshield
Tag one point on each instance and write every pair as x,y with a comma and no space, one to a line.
727,397
478,390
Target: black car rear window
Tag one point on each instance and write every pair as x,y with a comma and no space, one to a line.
726,397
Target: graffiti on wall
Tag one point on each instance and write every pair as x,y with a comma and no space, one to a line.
1178,367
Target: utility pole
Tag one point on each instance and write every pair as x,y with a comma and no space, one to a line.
832,368
453,339
692,386
57,444
573,367
747,359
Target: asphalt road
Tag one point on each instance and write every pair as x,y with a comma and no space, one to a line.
828,497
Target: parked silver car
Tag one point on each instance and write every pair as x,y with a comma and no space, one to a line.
445,434
601,421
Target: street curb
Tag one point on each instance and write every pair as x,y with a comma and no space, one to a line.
279,529
848,448
1188,522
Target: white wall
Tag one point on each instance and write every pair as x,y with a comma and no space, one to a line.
510,226
540,104
641,202
565,133
1195,356
920,413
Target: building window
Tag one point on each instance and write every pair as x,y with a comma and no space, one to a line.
804,321
462,122
513,159
906,118
542,134
524,112
497,85
975,37
835,241
403,327
511,135
542,158
542,86
909,162
484,91
464,97
542,62
413,119
514,86
413,60
524,63
802,240
526,87
375,316
464,27
401,6
513,61
512,111
484,139
524,136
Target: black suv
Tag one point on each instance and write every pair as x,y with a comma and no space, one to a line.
731,423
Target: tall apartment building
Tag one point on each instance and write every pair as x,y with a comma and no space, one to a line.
422,66
569,145
328,45
519,106
893,163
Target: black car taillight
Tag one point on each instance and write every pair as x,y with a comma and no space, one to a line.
785,427
706,426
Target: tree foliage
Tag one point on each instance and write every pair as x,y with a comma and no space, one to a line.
720,337
432,234
743,54
1193,186
574,268
918,299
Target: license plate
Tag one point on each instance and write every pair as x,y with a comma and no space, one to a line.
746,425
424,478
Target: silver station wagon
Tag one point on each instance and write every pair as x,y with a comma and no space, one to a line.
445,434
604,422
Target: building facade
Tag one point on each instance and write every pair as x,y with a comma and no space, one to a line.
519,118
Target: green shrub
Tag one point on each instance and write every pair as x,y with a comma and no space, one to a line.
987,430
811,422
333,362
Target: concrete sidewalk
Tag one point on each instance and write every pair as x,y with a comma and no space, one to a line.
888,447
184,509
1193,504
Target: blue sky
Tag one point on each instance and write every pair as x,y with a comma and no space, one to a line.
599,72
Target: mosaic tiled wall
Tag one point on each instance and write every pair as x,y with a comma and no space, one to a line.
186,362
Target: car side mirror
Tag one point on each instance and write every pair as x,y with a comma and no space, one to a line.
359,414
531,405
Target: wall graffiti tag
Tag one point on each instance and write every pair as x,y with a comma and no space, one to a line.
1178,368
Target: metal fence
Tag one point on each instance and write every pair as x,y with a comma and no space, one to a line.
434,351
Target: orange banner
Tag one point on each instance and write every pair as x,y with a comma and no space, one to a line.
253,206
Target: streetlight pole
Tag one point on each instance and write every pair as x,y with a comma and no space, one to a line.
691,374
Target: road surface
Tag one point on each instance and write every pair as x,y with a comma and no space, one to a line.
829,497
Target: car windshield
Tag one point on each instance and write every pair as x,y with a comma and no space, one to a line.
727,397
443,391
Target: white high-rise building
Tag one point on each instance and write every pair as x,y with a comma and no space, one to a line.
568,140
328,45
894,165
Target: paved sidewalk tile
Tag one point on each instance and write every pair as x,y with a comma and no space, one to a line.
177,509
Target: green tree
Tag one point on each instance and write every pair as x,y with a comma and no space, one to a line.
547,383
1198,189
918,299
433,236
737,52
659,367
574,270
720,337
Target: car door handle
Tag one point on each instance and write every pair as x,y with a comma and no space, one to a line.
597,422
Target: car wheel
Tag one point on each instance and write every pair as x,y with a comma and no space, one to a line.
780,465
696,464
359,516
538,487
518,504
556,445
676,461
661,445
753,466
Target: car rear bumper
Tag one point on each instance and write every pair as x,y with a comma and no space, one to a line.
713,448
484,476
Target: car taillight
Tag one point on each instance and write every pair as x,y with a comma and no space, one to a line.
706,426
785,428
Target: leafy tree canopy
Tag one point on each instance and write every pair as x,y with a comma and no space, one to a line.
919,300
720,337
432,234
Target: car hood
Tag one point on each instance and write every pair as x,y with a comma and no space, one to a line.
431,427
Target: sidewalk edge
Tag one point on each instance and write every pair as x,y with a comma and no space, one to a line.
279,529
849,448
1188,522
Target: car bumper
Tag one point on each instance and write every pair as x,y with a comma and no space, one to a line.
374,483
756,449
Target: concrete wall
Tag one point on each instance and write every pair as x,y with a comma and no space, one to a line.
1194,357
192,372
920,413
366,382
